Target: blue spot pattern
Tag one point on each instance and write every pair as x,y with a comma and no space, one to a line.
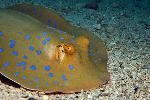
1,34
1,50
23,68
48,20
46,83
60,31
23,63
16,74
64,77
15,53
24,77
47,68
12,43
44,42
71,67
72,40
48,39
48,26
25,57
27,37
39,37
20,33
31,48
55,24
6,64
56,82
18,64
61,38
50,74
37,79
38,52
33,67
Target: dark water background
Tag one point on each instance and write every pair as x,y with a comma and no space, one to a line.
58,3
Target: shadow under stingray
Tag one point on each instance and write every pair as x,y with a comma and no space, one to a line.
9,82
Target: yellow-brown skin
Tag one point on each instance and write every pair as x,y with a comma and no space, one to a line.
86,74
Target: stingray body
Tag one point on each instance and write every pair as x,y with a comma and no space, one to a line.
49,56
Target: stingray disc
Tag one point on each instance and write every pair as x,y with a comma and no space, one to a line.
47,59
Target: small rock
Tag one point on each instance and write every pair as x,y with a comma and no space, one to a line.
110,29
45,97
90,96
24,95
92,5
97,26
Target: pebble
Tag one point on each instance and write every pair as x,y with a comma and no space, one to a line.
97,26
110,29
24,95
45,97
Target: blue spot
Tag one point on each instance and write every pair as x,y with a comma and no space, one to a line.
1,50
48,20
16,74
72,40
44,42
23,68
56,82
39,37
25,57
1,33
61,38
46,83
44,33
38,52
12,41
71,67
50,74
53,28
47,68
24,77
33,67
37,79
60,31
64,77
48,38
15,53
6,64
20,33
11,45
31,48
18,64
27,37
55,24
48,26
23,63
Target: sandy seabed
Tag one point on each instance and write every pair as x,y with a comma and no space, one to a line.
125,29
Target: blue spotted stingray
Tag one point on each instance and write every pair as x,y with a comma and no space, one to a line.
42,51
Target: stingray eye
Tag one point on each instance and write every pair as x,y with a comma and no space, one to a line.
69,48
